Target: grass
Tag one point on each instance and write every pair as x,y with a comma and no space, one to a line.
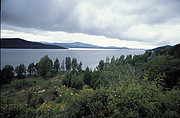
18,90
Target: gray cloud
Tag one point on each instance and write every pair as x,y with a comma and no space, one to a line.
115,18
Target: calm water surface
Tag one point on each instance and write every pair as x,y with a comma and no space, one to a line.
89,57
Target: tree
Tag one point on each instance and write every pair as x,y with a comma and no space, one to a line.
68,63
62,66
31,69
36,68
113,60
87,76
44,66
77,81
7,74
107,60
79,67
74,64
164,64
129,59
21,71
67,79
101,65
56,65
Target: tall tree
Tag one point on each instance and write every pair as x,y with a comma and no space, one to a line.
31,68
79,67
21,71
62,66
68,63
44,66
87,76
129,59
101,65
74,64
36,68
7,74
56,65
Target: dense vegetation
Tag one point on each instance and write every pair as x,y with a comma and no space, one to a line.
144,85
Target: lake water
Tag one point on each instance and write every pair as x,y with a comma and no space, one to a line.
89,57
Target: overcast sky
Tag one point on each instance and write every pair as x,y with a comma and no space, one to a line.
123,23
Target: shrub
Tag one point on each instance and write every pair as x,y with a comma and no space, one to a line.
50,109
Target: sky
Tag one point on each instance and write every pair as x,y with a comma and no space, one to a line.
143,24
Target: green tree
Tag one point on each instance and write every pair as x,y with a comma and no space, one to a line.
79,67
7,74
77,81
21,71
101,65
68,63
44,66
31,69
87,76
62,65
74,64
129,59
113,61
67,79
107,60
56,65
164,64
36,68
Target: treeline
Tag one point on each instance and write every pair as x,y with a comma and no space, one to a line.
45,68
110,71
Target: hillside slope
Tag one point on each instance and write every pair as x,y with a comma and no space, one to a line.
23,44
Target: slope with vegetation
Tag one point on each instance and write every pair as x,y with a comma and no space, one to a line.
23,44
140,86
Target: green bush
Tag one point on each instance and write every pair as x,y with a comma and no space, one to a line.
22,84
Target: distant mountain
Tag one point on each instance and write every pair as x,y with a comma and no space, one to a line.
23,44
83,45
76,45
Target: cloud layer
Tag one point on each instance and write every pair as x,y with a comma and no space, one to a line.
153,21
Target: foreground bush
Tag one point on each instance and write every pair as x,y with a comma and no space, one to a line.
128,98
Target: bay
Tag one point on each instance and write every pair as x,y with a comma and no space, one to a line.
89,57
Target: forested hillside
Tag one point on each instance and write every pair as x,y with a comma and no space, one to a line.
137,86
23,44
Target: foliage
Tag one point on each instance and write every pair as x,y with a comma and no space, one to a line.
22,84
164,64
68,63
101,65
67,79
73,80
31,69
139,60
145,85
44,66
77,81
87,76
49,109
56,65
74,64
7,74
62,65
11,110
79,67
175,51
21,71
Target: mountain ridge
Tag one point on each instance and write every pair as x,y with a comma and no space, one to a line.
24,44
83,45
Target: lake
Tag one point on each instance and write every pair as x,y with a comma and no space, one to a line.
89,57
